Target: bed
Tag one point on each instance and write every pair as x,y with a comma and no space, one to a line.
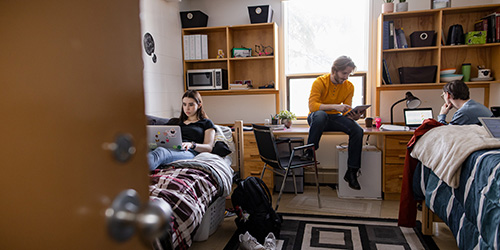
455,171
196,189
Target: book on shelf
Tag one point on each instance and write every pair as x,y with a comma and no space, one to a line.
491,29
391,35
186,42
385,73
497,25
238,86
195,47
401,38
385,35
204,46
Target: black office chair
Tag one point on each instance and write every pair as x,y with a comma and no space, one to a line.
266,143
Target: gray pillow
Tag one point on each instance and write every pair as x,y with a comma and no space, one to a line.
154,120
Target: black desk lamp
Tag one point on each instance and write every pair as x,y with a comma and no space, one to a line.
412,102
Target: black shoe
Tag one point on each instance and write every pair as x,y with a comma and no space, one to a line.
307,156
351,176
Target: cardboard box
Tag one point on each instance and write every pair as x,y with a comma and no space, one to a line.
475,37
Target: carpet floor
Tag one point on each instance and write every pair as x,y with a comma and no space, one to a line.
341,232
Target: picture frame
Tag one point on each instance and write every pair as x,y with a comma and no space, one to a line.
439,4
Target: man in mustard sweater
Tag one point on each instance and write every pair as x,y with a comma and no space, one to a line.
330,98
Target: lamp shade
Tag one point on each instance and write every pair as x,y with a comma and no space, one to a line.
412,102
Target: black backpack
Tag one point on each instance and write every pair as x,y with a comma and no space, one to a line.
252,197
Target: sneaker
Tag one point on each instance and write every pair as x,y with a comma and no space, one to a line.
351,176
307,156
248,242
270,242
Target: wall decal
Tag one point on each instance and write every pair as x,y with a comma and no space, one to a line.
149,45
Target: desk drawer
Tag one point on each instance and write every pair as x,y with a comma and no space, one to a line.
396,142
393,178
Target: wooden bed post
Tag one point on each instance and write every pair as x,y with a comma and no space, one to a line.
238,139
427,220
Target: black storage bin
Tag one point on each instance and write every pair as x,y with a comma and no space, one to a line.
425,74
260,14
193,19
422,38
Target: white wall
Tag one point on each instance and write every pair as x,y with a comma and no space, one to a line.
430,98
163,80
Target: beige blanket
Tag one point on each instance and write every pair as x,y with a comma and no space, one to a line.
443,149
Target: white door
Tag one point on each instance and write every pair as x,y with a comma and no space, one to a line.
70,85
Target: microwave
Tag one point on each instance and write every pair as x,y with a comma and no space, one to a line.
206,79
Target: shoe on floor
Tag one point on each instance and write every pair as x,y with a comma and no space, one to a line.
351,176
307,156
270,242
248,242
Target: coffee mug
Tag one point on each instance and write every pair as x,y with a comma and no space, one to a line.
495,111
368,122
483,73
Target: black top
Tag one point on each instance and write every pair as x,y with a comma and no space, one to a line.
194,131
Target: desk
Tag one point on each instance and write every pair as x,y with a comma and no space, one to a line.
393,146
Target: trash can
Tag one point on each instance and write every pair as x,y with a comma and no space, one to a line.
370,179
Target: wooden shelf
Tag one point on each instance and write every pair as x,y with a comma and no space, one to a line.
261,70
443,56
239,92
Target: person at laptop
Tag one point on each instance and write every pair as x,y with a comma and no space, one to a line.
198,133
456,95
331,95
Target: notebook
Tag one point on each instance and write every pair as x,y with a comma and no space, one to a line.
167,136
492,125
415,117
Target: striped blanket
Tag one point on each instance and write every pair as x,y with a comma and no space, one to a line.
190,186
472,210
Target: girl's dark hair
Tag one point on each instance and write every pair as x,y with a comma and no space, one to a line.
200,113
342,63
458,89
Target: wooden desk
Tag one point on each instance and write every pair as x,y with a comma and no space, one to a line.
393,146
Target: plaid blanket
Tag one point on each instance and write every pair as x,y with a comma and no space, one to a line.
189,186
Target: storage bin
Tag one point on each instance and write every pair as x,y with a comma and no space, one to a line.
212,218
425,74
193,19
475,37
260,14
422,38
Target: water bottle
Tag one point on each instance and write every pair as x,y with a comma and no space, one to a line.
466,72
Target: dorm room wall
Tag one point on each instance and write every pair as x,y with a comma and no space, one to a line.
163,80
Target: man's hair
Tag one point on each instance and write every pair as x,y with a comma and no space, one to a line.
458,89
342,63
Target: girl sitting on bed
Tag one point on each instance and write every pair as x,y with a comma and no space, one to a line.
198,133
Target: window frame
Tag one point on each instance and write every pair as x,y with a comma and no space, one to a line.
362,74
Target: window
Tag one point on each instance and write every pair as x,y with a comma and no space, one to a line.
316,33
299,87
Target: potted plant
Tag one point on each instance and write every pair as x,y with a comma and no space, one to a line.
388,6
286,117
402,6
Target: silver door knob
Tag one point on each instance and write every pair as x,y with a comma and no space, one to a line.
126,216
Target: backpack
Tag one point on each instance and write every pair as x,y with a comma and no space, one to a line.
253,204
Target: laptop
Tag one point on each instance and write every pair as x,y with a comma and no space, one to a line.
415,117
492,125
167,136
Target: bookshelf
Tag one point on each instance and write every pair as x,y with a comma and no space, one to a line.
443,56
261,70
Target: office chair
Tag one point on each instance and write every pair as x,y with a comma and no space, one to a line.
268,151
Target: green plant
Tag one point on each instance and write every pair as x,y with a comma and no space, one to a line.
285,114
388,1
402,1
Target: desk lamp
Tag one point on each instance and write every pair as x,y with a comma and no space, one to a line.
412,102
